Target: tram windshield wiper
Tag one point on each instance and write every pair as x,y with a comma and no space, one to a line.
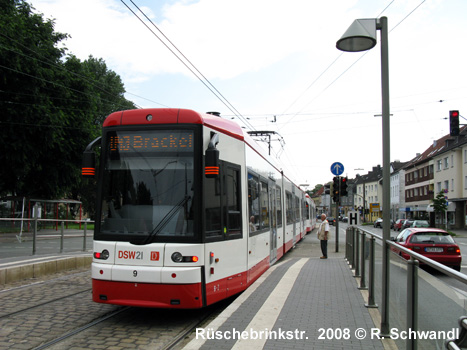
165,220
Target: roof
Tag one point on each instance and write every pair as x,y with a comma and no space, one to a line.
439,146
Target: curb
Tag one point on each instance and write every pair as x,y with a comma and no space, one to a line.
18,271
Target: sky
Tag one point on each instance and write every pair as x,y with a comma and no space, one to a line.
277,64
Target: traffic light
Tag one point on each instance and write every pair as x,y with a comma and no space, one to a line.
335,191
343,191
454,123
327,188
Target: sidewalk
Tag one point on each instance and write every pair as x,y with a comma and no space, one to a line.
302,302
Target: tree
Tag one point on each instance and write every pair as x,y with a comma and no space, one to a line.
52,106
440,204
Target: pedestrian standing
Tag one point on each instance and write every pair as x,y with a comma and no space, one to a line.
323,236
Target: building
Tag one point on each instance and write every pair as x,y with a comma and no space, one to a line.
450,177
397,191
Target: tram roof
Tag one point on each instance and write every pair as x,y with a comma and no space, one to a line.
173,116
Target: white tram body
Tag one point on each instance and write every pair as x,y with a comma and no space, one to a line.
191,210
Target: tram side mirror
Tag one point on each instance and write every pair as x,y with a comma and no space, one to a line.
89,164
89,159
211,163
211,159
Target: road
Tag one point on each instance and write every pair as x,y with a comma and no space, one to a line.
441,299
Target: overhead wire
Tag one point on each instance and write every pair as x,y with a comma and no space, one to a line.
51,63
346,70
188,64
349,67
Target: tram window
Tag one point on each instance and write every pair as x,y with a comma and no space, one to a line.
212,195
264,224
223,214
232,202
289,208
253,203
297,208
279,206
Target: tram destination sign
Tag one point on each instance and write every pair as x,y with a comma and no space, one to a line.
150,141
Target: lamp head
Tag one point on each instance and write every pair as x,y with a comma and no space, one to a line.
360,36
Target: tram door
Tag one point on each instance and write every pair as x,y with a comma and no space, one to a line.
273,221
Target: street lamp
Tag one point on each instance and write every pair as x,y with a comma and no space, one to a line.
361,36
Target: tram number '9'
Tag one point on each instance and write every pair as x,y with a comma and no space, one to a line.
135,273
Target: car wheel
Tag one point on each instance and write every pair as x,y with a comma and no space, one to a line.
457,268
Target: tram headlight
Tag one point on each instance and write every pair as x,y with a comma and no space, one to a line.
177,257
104,255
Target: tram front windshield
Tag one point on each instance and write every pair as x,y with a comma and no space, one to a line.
147,186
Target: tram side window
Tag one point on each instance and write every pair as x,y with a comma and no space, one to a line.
297,208
279,206
223,215
264,223
289,214
232,201
212,195
253,203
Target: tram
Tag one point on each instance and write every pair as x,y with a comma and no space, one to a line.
190,209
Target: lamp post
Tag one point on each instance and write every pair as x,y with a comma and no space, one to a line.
361,36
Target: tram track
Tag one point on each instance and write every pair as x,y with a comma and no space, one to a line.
136,328
24,298
43,304
59,314
81,329
66,340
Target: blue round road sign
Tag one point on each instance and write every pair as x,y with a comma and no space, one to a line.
337,168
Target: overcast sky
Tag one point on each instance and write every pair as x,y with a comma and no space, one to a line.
279,58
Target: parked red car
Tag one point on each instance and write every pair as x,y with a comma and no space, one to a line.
433,243
399,224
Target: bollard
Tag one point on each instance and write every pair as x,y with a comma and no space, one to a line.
347,236
351,250
84,237
357,255
371,276
362,264
34,237
412,301
62,233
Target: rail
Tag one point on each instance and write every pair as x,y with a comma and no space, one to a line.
357,251
35,229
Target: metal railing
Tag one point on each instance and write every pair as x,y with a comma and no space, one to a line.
358,250
33,232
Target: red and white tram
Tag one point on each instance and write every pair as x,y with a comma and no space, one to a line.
190,209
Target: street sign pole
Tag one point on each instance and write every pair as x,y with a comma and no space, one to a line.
337,169
337,221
